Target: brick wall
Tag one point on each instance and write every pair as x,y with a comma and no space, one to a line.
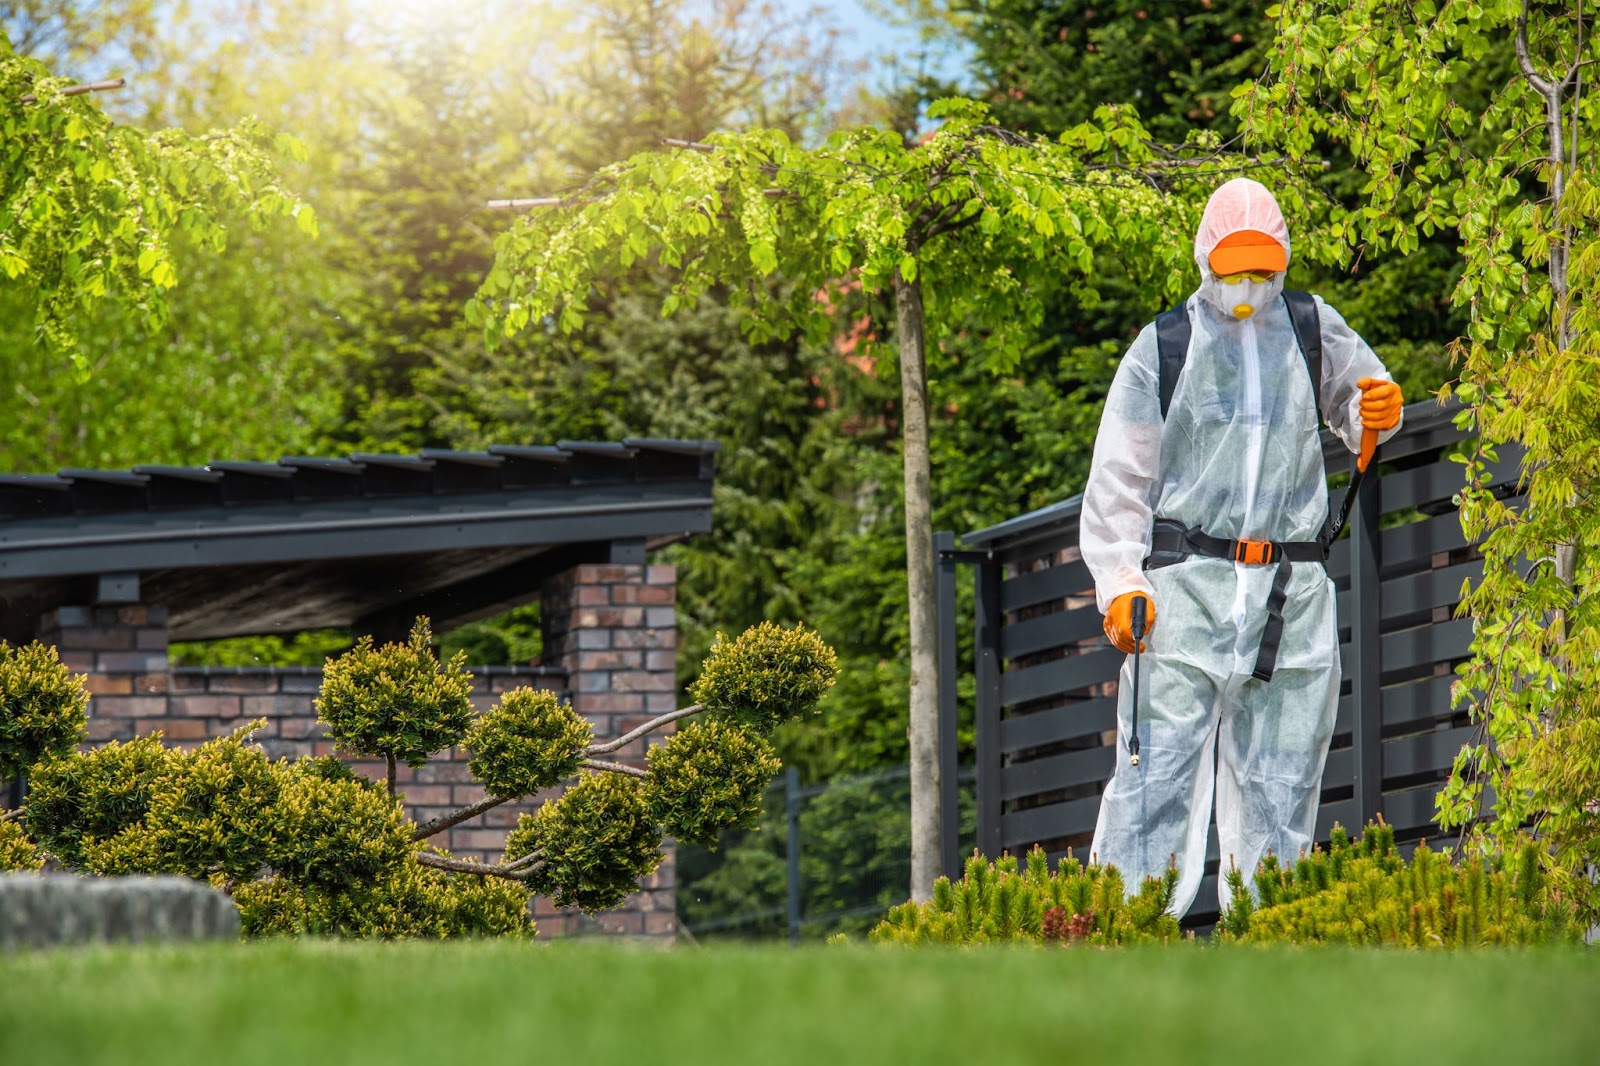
610,644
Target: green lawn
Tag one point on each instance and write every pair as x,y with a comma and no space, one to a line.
587,1003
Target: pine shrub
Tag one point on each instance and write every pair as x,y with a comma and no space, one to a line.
42,708
16,850
709,777
528,742
765,676
597,840
1364,892
78,802
396,701
995,903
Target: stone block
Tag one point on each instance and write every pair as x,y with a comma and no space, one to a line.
150,640
612,617
594,639
302,727
226,707
588,703
244,684
62,617
661,617
50,910
642,681
276,707
108,684
662,660
152,684
92,638
661,575
133,662
128,707
643,594
610,660
644,638
104,729
175,729
661,924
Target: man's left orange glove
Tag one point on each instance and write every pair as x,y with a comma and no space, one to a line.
1119,621
1380,404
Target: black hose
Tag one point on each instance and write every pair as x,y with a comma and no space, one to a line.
1139,606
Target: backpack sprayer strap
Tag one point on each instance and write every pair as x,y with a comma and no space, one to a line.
1172,542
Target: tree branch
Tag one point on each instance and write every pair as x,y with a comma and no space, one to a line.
456,817
79,90
1542,86
615,767
519,871
654,723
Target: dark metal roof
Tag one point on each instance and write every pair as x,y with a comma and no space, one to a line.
247,547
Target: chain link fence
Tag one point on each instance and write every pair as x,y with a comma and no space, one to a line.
827,858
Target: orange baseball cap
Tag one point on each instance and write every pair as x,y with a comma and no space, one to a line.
1248,249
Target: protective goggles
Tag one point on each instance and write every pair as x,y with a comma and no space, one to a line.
1246,275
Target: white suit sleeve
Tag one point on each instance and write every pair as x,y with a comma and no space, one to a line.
1114,526
1346,359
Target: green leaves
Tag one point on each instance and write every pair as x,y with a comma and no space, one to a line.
707,778
88,208
397,700
527,742
597,841
42,708
765,676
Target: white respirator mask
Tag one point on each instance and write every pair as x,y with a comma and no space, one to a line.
1240,299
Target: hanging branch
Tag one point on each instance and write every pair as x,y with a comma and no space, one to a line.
79,90
654,723
520,870
456,817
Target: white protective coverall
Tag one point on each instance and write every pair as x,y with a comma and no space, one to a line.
1237,455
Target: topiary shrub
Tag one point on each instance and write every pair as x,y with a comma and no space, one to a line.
765,676
334,834
709,777
995,903
528,742
408,901
16,850
308,846
42,708
396,701
86,798
212,810
592,845
1364,892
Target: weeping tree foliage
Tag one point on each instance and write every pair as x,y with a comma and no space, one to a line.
90,209
964,228
1515,181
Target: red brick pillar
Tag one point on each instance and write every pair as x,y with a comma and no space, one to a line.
613,628
123,650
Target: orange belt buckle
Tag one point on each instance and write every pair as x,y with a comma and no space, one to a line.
1253,552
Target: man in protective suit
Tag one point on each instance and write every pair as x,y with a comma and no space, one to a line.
1207,497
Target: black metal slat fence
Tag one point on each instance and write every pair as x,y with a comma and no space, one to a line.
1046,677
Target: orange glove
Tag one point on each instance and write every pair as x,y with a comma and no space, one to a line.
1119,621
1380,404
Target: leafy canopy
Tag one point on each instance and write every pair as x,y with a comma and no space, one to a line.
90,209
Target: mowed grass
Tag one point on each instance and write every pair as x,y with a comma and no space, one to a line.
585,1003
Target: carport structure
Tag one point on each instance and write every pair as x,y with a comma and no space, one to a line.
367,542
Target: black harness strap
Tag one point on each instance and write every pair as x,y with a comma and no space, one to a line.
1172,344
1171,542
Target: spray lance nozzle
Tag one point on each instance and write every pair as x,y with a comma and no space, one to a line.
1140,604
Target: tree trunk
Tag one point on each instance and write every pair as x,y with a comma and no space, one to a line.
924,727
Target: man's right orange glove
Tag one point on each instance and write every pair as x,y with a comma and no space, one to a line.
1119,621
1380,404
